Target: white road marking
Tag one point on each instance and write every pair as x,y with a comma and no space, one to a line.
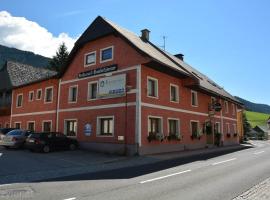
1,154
224,161
72,198
162,177
259,152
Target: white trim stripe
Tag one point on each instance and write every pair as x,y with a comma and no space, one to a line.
97,107
34,113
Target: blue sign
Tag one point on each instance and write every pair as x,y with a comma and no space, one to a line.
87,129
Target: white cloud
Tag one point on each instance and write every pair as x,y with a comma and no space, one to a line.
27,35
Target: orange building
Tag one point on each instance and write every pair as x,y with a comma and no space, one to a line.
120,93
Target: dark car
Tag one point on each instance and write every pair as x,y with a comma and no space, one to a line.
15,138
50,141
4,131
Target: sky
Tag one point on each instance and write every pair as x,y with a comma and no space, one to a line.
228,40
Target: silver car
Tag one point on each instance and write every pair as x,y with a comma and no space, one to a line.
15,138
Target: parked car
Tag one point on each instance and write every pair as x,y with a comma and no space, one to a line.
50,141
4,131
15,138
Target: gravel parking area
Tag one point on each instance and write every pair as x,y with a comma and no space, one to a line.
19,165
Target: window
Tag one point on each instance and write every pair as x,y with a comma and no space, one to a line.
73,93
18,125
0,125
234,128
173,126
47,126
106,54
7,125
31,96
39,94
31,126
105,126
233,109
217,127
194,128
194,98
92,90
228,128
213,100
174,94
152,87
71,127
154,125
90,59
19,100
48,95
226,106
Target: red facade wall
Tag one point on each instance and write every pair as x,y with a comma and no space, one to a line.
36,110
4,121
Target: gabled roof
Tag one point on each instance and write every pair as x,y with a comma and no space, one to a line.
262,128
205,82
16,74
101,27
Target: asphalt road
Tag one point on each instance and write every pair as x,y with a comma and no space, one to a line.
212,176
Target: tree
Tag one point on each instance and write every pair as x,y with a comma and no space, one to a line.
59,60
246,124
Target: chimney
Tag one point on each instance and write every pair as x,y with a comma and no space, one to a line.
145,35
180,56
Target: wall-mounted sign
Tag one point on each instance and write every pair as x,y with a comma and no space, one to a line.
217,107
113,86
98,71
87,129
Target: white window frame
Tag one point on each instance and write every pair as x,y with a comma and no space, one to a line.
100,54
178,125
196,98
98,128
228,129
29,95
88,90
45,96
85,58
28,122
17,100
190,125
69,93
19,122
233,109
161,123
177,93
156,91
235,128
40,94
226,105
219,127
65,128
47,121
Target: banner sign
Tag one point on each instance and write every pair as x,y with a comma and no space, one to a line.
98,71
113,86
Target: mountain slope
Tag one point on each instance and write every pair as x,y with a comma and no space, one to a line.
255,107
25,57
